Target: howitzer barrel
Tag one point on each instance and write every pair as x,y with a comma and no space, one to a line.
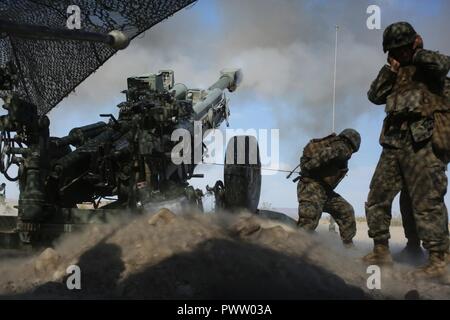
116,39
211,110
229,79
213,98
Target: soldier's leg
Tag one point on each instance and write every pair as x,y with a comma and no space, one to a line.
343,213
311,199
412,253
386,183
408,222
427,185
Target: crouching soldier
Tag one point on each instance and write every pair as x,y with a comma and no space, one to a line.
323,165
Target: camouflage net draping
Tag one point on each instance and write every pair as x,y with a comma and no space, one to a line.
50,70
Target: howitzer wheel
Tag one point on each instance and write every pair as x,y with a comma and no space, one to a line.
242,174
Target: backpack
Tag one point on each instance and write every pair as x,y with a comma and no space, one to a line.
314,146
330,175
441,130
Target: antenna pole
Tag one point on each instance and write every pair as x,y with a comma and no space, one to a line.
334,79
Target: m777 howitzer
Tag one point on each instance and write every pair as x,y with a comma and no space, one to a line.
127,160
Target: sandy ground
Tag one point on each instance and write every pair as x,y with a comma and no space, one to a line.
204,256
362,240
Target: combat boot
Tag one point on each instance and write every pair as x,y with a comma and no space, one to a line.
435,268
381,255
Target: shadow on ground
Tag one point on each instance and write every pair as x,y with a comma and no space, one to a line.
215,269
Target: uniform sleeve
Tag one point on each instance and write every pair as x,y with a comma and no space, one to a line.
338,152
382,86
433,63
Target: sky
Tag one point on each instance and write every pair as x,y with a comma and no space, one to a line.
285,49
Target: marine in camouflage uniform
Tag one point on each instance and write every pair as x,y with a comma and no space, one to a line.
321,172
412,87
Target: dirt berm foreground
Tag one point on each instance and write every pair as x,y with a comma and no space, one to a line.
203,256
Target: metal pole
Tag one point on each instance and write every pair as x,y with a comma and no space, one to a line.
334,79
115,39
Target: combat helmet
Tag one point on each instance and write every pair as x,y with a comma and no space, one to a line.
397,35
353,137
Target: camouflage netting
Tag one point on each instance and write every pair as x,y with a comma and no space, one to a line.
50,70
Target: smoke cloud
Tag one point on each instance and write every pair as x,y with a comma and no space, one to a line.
285,48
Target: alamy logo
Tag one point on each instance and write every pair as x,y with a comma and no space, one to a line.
187,151
73,281
374,20
374,280
74,20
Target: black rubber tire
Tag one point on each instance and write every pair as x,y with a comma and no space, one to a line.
242,174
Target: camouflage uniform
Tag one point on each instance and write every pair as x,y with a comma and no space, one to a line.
408,222
320,175
406,210
408,161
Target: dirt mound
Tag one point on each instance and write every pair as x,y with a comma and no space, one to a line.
200,256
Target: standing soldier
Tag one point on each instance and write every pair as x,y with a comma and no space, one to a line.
415,139
324,164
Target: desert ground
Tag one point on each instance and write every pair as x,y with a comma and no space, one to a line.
209,256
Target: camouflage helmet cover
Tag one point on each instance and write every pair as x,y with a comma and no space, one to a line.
397,35
353,137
